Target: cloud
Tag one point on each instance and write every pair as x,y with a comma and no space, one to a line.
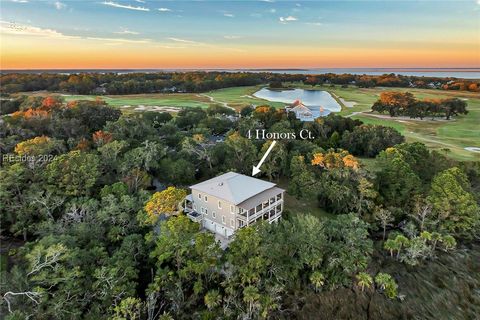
126,31
19,1
184,41
13,28
231,37
314,24
165,46
59,5
229,15
164,9
287,19
121,40
273,10
269,1
118,5
140,1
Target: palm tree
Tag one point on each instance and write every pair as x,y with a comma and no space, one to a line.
251,297
449,242
212,299
364,280
402,242
426,236
391,245
387,284
382,279
317,279
435,238
385,217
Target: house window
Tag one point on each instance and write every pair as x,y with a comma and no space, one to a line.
219,205
200,196
232,223
206,199
223,219
240,223
279,196
214,214
194,207
206,211
232,209
202,209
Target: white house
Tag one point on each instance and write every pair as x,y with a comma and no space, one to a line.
301,111
232,201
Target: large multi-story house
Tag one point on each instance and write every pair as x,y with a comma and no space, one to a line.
231,201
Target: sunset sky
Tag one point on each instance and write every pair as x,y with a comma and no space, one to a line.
238,34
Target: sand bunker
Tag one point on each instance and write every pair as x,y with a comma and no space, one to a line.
348,104
157,108
142,107
473,149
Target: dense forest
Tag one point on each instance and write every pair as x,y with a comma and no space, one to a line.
405,104
92,235
132,83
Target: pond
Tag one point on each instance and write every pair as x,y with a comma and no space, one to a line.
313,99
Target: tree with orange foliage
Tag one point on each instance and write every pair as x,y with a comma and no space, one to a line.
335,160
396,102
83,145
51,102
350,161
42,145
101,138
473,87
165,202
34,114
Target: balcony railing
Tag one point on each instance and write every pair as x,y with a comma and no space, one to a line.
195,216
256,212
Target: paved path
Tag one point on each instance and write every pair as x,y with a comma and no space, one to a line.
212,99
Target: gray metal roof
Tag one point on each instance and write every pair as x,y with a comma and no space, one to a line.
233,187
259,198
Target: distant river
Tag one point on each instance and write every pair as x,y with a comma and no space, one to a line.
313,99
465,73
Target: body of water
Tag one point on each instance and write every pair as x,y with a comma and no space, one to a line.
313,99
464,73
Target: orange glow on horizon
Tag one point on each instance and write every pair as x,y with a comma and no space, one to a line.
38,53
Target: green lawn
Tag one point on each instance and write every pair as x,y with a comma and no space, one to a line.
463,131
179,100
305,205
239,97
455,135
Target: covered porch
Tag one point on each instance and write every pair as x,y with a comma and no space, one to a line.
189,209
269,207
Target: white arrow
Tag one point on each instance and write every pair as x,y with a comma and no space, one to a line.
257,168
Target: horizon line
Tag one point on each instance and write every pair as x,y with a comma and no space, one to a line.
263,68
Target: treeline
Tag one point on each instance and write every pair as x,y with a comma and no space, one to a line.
155,82
129,83
394,80
405,104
